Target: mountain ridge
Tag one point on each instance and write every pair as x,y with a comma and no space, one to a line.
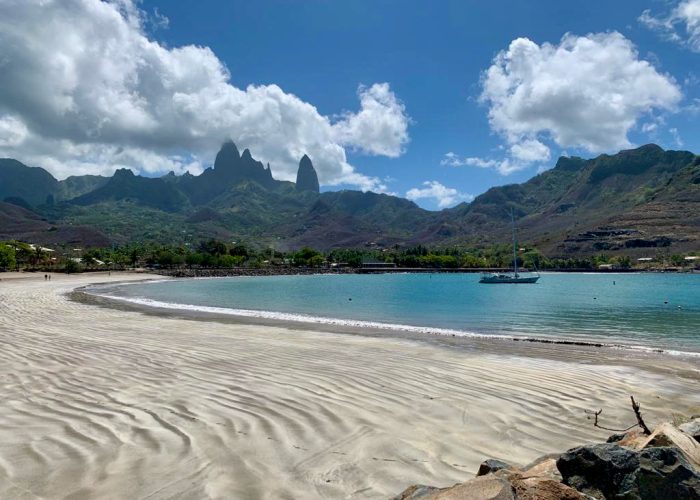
633,201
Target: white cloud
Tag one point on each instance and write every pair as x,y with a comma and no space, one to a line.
381,125
443,195
681,25
649,127
12,131
585,92
85,90
676,137
530,150
694,107
504,166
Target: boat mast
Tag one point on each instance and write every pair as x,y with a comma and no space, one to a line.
515,255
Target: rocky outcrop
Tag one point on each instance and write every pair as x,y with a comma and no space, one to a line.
307,180
232,168
665,464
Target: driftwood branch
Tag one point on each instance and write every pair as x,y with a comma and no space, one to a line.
596,424
640,420
637,413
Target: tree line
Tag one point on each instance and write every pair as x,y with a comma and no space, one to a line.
218,254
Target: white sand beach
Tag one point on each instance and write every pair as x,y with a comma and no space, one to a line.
108,403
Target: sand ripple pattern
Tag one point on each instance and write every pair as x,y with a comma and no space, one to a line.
100,403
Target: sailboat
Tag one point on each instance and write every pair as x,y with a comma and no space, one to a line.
515,276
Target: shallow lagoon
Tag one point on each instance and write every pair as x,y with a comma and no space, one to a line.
645,310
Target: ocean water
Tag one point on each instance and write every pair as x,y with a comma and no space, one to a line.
637,310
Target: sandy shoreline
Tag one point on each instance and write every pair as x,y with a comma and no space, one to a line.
101,402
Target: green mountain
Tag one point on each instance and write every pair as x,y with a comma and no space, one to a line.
124,185
17,223
34,185
636,201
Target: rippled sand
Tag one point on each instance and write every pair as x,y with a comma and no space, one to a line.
104,403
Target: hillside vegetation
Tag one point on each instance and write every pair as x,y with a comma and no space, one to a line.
637,201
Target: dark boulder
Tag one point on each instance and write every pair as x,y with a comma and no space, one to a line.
663,473
597,470
611,471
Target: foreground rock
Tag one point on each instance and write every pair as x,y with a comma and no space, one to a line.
612,471
504,484
663,465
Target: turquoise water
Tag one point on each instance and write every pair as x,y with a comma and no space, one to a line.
647,310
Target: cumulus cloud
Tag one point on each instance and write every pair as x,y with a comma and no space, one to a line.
586,92
444,196
381,125
504,166
86,90
681,25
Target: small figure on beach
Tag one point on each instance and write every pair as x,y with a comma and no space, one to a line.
46,277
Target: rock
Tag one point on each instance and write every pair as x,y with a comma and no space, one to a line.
492,465
488,487
664,473
597,470
667,434
544,467
417,491
616,438
692,428
612,471
307,180
542,488
634,439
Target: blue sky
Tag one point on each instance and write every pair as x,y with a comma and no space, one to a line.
433,56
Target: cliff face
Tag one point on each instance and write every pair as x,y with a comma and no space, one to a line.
307,180
233,168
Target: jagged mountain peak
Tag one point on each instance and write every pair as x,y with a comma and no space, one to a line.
307,179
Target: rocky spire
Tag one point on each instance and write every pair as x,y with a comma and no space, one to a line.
231,167
228,157
307,180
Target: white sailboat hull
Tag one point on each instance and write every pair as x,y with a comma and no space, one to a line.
504,278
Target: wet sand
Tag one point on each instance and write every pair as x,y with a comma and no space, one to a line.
115,403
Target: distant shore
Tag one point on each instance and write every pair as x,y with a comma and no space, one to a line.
105,402
285,271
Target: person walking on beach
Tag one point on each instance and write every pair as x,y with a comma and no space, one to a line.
46,276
